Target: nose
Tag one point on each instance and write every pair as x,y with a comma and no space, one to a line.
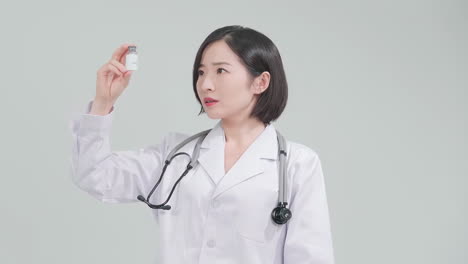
205,83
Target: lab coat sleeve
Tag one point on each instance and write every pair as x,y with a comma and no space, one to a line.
110,176
308,235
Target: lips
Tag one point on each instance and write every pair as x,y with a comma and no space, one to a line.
209,100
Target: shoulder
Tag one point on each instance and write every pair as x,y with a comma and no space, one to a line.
300,152
168,141
301,157
304,168
173,138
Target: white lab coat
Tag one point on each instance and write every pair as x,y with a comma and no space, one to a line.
216,217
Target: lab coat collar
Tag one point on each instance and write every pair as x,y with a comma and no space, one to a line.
250,164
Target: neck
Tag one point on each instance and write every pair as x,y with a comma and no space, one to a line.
242,132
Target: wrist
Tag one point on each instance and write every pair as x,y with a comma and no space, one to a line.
100,107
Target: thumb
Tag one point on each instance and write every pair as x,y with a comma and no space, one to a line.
127,75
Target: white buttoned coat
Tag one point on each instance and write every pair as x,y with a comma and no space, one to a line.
216,217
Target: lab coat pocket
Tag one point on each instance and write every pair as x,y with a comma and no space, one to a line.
253,221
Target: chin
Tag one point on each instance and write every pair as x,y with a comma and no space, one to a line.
213,115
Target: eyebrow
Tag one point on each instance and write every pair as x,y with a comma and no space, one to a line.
216,63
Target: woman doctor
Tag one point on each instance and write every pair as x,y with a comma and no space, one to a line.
221,210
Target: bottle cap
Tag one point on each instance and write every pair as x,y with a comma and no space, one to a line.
131,48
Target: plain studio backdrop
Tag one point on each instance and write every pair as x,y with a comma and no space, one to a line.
377,88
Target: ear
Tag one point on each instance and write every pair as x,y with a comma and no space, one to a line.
261,82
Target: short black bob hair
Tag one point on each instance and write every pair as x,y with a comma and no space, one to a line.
259,54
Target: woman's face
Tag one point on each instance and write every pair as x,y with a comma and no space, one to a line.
223,77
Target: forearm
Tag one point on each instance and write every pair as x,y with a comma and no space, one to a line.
100,107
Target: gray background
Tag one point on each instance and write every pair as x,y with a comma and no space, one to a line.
377,88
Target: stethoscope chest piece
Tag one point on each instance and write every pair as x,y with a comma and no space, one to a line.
281,214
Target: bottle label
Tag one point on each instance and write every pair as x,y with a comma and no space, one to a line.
131,62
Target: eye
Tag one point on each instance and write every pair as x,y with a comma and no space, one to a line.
200,72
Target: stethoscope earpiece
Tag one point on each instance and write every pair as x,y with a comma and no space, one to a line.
154,206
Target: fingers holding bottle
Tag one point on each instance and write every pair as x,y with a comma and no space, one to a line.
119,53
113,77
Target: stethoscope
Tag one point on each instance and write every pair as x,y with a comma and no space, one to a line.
280,214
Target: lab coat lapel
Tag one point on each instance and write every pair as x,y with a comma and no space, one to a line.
250,164
211,156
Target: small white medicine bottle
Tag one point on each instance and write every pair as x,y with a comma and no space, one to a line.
131,59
